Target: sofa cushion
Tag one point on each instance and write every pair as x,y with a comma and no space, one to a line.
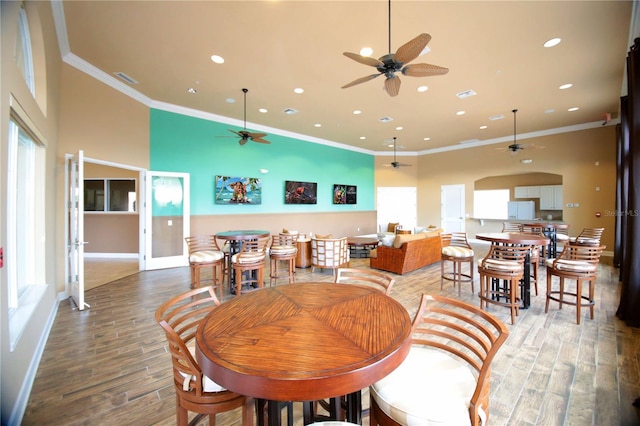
387,240
391,227
400,239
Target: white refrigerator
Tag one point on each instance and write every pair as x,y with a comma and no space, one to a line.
521,210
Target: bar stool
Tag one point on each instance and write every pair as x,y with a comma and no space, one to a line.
248,263
457,250
504,263
205,253
283,249
578,263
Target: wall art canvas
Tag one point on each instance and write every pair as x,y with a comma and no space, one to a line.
300,192
345,194
238,190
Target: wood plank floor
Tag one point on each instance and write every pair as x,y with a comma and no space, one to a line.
109,365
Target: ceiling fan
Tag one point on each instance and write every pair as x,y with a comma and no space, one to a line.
395,164
397,62
516,147
245,135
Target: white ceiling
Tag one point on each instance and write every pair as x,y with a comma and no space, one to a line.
271,47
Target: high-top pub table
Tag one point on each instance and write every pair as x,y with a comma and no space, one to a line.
518,239
235,239
304,342
550,229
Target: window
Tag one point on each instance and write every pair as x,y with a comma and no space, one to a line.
491,204
25,226
22,52
110,195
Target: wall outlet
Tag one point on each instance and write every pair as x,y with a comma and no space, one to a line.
569,204
576,205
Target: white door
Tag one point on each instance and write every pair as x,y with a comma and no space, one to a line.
452,208
167,216
75,226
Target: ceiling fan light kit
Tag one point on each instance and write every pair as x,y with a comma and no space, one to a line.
391,63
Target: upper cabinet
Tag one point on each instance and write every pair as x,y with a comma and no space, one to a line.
551,197
526,192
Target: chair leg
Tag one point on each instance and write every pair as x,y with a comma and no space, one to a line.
591,296
578,300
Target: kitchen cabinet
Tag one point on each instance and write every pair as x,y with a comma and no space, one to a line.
551,197
526,192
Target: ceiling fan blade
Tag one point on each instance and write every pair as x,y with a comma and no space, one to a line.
423,70
366,60
412,49
237,133
256,135
361,80
259,139
392,85
242,141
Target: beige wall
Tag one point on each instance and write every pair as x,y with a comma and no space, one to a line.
42,113
572,155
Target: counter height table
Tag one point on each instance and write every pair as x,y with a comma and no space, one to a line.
304,342
235,239
550,229
516,238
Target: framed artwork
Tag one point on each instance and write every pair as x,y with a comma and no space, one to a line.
300,192
345,194
238,190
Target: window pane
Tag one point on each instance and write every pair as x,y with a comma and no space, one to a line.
22,52
491,204
94,195
120,193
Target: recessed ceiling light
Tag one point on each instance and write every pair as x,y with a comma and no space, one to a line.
526,161
423,88
426,139
263,110
366,51
230,101
496,117
357,112
298,90
399,128
192,90
483,127
549,111
460,113
217,59
552,42
362,138
565,86
573,109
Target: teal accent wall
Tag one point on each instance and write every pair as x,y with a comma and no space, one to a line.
204,149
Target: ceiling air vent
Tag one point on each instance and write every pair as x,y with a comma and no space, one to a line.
466,94
496,117
290,111
122,76
385,119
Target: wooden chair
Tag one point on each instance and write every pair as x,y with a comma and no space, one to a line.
588,237
205,253
445,379
578,263
457,250
502,263
511,227
283,249
248,264
367,277
329,253
180,317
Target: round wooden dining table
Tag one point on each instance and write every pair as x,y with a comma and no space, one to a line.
304,342
516,238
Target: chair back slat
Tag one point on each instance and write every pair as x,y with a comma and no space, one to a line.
379,280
